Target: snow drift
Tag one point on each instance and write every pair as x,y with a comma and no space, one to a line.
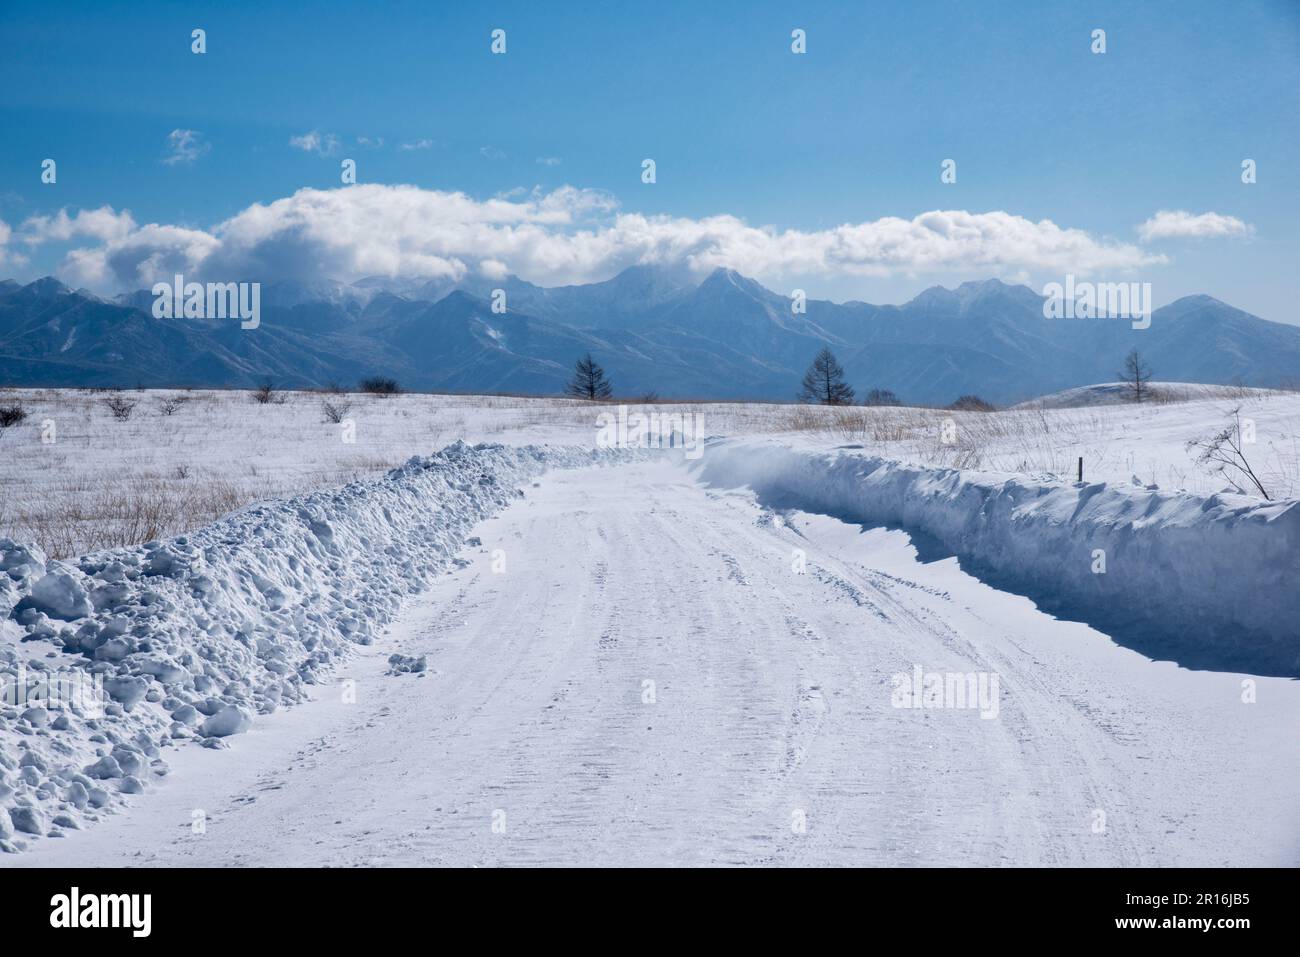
1208,582
190,639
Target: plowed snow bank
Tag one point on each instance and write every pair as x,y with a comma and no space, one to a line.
1214,576
109,659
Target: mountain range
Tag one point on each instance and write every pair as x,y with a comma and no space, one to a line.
654,330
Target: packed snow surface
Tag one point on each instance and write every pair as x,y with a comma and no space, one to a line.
631,670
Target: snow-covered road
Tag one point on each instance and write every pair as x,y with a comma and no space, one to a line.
648,681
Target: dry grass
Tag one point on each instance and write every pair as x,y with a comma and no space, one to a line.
184,458
73,524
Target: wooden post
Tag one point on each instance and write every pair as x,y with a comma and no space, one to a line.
1080,468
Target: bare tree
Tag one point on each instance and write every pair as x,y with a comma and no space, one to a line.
120,406
170,405
881,397
972,403
335,411
1225,453
11,415
380,385
588,381
1135,376
824,382
268,394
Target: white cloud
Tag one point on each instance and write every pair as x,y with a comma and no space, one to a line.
491,152
185,146
549,161
1180,224
314,141
139,258
104,224
940,240
7,256
370,142
493,269
417,145
562,236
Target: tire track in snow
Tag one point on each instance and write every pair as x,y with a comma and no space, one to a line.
769,701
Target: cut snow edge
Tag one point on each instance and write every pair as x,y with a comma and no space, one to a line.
1207,582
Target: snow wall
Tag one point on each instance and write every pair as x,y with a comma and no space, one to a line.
1210,582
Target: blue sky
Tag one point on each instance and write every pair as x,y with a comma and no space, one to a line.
851,132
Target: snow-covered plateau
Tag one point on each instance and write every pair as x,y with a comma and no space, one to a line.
845,636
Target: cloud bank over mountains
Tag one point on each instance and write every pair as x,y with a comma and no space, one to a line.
568,235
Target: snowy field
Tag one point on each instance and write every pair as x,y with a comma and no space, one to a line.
185,458
832,636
